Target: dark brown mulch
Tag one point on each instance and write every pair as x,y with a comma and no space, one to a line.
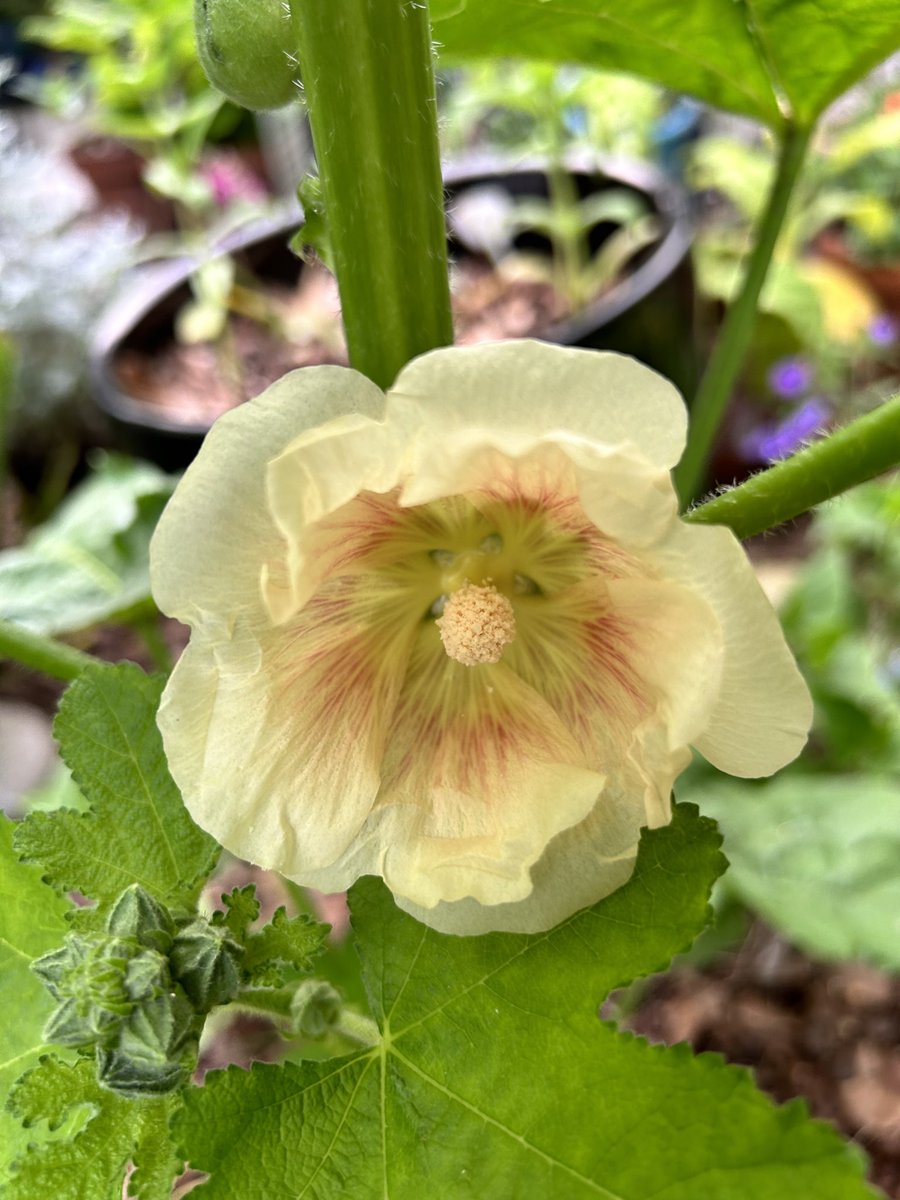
830,1033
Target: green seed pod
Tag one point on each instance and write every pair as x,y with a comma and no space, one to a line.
247,49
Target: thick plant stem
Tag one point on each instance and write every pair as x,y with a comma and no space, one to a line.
858,452
42,653
727,358
369,85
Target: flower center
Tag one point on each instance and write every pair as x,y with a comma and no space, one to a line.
477,624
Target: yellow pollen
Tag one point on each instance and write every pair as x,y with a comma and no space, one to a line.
477,624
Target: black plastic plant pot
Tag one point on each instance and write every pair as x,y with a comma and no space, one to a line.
648,313
143,319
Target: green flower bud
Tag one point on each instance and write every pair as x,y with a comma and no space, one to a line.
98,980
315,1008
137,1081
206,961
53,967
88,976
137,914
147,976
155,1051
67,1026
247,50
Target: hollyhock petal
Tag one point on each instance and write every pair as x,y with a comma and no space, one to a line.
298,710
600,424
627,497
319,473
217,530
531,388
763,709
581,864
490,783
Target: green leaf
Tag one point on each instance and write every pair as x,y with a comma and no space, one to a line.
764,58
137,829
293,941
494,1077
88,563
92,1165
241,910
313,234
817,856
32,921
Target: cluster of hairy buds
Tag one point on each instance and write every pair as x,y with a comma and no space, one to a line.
137,993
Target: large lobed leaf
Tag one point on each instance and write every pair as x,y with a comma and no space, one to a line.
92,1164
817,857
137,829
32,921
494,1077
764,58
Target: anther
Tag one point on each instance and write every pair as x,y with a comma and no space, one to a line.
478,623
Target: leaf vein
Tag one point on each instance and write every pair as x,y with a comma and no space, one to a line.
340,1125
518,1137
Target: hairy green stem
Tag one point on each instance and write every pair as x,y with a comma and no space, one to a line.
276,1002
859,451
726,360
369,85
42,653
357,1028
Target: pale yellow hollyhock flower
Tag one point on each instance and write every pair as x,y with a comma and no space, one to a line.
457,636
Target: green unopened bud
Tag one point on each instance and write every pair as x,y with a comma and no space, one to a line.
316,1008
155,1051
88,976
67,1026
52,968
206,961
98,980
138,915
247,50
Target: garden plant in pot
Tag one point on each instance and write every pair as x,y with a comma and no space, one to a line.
571,247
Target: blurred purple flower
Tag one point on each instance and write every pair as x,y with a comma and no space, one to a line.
230,179
774,442
790,377
882,330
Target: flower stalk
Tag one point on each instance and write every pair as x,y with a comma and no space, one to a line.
716,386
853,454
41,653
369,86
